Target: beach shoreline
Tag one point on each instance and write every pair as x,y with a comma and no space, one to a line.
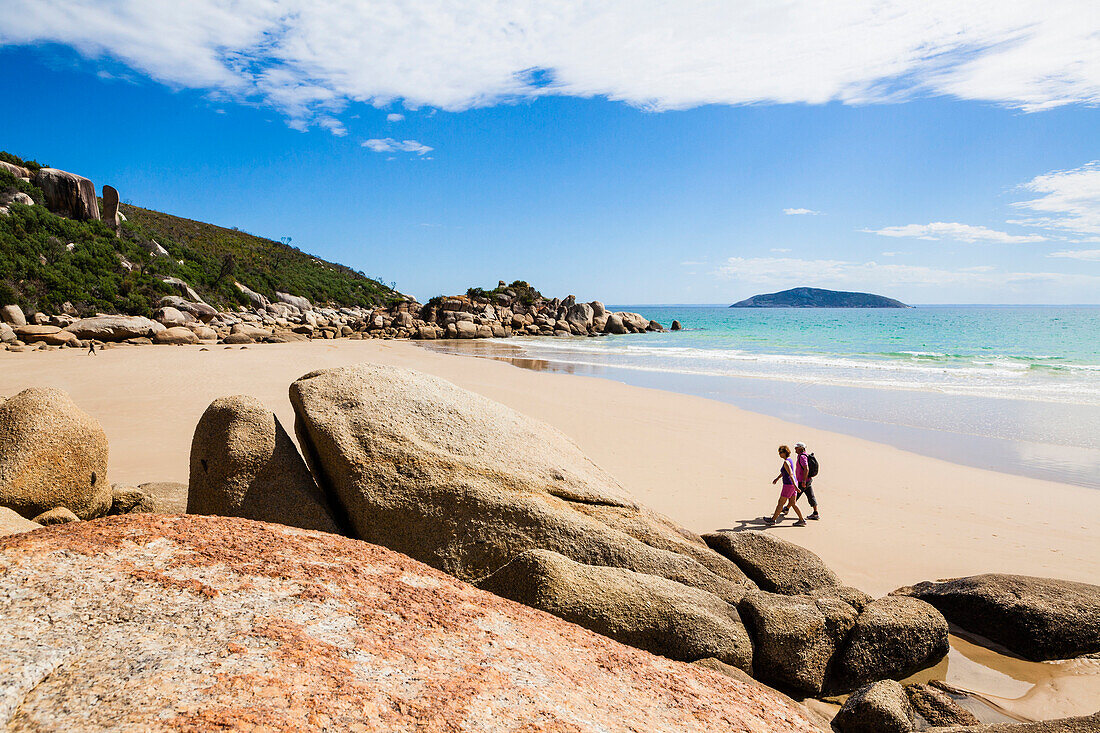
890,518
707,464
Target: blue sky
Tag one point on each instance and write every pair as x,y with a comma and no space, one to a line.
918,166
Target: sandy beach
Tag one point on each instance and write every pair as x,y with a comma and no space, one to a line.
890,518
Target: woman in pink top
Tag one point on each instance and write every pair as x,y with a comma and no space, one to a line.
789,494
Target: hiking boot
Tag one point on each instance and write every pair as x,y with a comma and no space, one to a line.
815,515
800,523
769,521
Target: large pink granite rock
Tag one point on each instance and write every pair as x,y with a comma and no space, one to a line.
154,622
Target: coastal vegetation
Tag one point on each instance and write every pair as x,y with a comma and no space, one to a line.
48,261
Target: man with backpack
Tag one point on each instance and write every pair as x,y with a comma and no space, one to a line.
805,468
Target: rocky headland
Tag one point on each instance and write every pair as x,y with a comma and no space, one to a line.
77,274
397,573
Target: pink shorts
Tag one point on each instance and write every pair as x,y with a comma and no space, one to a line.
789,491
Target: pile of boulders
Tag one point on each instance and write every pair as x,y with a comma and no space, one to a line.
492,497
187,319
505,313
510,505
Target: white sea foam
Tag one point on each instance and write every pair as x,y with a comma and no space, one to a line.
1003,376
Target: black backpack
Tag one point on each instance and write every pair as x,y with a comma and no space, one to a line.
811,464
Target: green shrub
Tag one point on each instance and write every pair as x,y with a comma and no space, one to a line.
33,165
102,272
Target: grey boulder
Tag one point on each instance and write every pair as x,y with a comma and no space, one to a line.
1083,724
114,328
775,565
796,637
644,611
12,315
1038,618
243,464
52,454
68,194
880,707
465,484
893,638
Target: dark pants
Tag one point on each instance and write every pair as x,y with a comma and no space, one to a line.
808,489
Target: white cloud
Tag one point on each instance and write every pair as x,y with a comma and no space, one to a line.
780,250
389,145
1092,255
892,254
333,125
954,231
312,57
691,263
801,212
394,117
1069,201
788,272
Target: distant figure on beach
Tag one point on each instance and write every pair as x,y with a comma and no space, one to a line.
91,348
805,478
789,494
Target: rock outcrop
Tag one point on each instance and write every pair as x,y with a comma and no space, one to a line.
243,464
176,336
12,315
639,610
57,515
110,208
52,454
198,623
50,335
893,637
775,565
68,194
114,328
880,707
938,707
796,637
127,499
1038,618
1083,724
466,484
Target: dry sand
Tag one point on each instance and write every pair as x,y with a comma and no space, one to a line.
890,518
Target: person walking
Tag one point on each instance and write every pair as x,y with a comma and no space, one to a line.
789,494
803,477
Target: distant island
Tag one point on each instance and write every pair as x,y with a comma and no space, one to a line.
818,298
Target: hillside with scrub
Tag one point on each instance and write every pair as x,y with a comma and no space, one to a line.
56,263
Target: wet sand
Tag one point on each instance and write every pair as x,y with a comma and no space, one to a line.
890,518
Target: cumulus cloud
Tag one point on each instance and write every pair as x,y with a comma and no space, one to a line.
1091,255
389,145
801,212
780,272
313,57
954,231
394,117
1069,201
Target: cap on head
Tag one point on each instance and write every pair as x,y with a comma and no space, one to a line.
799,445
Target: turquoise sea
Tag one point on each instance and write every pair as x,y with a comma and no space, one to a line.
1012,388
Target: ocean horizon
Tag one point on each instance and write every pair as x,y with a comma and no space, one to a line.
1012,388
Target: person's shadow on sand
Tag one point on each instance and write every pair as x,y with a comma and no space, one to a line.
747,524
